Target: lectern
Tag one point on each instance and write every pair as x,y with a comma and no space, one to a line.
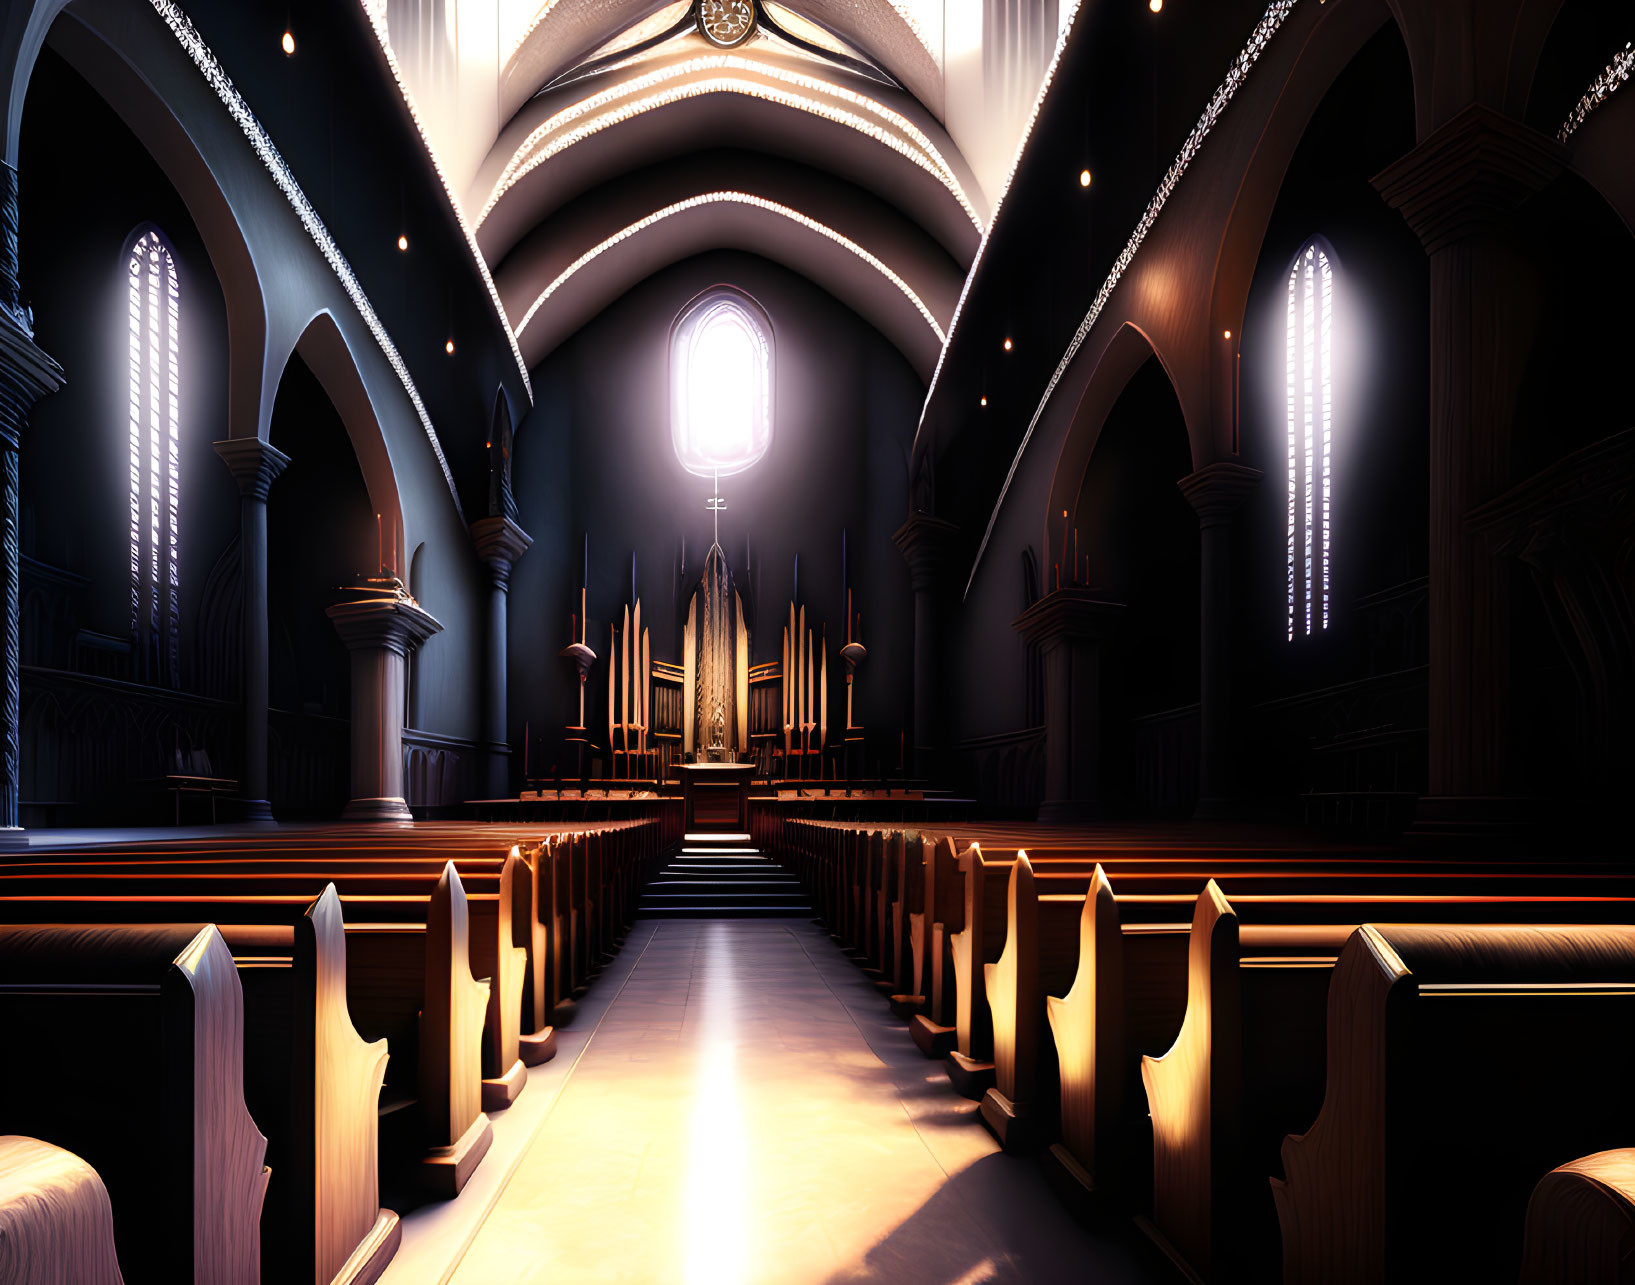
717,797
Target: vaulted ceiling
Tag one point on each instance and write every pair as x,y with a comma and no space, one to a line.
588,143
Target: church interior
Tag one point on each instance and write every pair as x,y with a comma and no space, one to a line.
817,641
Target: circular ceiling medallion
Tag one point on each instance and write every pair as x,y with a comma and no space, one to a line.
726,23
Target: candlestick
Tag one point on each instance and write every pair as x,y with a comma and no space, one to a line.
1064,538
380,557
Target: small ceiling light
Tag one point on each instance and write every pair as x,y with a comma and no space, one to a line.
1155,5
402,242
288,43
1007,344
1084,178
984,401
449,347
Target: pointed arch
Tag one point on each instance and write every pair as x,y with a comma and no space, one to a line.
323,347
1128,351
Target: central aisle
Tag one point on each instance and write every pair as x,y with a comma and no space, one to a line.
748,1110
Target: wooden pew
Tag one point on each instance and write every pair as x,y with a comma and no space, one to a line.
1462,1062
1581,1223
313,1084
458,1134
934,1031
166,1127
1247,1065
530,930
403,955
55,1221
907,999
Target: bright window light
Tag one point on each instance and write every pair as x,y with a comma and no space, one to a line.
153,314
1309,381
721,383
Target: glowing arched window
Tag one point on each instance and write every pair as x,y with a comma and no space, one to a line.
153,303
721,383
1309,376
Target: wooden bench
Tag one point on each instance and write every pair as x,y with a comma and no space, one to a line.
166,1126
409,977
1247,1066
313,1085
55,1221
1581,1223
1462,1063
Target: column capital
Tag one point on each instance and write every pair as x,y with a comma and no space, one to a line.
500,542
27,374
924,541
1218,490
1469,175
255,464
382,617
1069,615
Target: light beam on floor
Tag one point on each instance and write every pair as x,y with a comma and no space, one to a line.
717,1221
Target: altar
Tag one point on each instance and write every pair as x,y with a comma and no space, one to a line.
716,797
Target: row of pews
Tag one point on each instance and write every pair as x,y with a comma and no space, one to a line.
213,1052
1338,1067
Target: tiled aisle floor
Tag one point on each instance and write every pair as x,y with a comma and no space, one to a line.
748,1110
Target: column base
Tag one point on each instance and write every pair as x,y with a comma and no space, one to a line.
257,812
13,838
377,810
1066,811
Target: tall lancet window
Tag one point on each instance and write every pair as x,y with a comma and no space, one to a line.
1310,389
153,303
721,383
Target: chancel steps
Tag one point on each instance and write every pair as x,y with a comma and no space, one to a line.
722,877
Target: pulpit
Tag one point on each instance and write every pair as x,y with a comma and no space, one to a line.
717,797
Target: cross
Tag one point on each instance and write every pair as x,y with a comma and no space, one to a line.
715,504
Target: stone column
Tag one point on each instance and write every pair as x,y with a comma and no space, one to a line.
500,542
1070,627
1216,492
1458,190
925,542
26,375
255,465
380,627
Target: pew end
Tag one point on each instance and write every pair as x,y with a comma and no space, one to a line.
1424,1054
54,1216
1581,1223
171,1136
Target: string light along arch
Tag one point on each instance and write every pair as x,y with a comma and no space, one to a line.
721,383
1309,398
153,315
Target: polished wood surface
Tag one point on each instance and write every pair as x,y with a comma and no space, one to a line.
1581,1223
170,1135
55,1221
1419,1165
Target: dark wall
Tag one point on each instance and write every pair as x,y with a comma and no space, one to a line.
846,406
1380,457
320,536
94,185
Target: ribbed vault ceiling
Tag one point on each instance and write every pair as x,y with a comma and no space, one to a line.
588,143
